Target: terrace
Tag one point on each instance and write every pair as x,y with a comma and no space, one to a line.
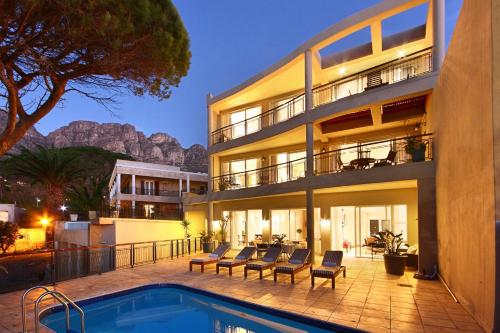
351,158
367,298
398,70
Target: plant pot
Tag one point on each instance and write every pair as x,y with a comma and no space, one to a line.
395,264
92,215
208,247
73,217
418,155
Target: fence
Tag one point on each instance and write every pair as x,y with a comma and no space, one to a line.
23,270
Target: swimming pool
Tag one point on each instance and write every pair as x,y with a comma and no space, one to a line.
176,308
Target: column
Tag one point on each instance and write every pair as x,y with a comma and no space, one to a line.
118,183
210,216
180,186
133,184
188,184
309,151
427,229
438,27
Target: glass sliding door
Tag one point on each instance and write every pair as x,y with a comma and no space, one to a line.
343,229
253,122
297,165
254,224
238,229
238,124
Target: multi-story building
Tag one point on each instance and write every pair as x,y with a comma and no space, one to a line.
331,145
154,191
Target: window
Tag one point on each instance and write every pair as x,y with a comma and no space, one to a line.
288,110
294,169
149,187
240,126
4,216
242,171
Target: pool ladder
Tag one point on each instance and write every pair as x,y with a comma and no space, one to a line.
57,295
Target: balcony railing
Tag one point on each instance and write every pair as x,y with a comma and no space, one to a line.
391,72
150,191
278,173
153,212
375,154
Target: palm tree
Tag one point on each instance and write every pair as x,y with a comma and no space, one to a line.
50,168
88,195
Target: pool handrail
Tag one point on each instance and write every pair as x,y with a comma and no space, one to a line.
64,300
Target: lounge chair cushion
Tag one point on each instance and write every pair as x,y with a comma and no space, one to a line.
330,264
295,261
213,255
268,259
204,259
288,267
325,270
230,262
259,264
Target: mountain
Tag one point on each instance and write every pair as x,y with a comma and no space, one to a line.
120,138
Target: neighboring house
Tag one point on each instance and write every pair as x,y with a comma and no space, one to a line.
330,147
10,213
152,191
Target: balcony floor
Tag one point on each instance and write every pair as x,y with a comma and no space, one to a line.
367,298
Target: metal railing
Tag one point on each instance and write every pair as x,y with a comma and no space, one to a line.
391,72
21,270
150,191
374,154
278,173
153,212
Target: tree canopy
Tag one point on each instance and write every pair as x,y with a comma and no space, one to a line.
51,47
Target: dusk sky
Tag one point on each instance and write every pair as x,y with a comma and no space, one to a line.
230,41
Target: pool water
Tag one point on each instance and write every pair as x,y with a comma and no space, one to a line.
167,308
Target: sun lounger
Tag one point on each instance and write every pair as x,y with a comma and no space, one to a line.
330,268
212,258
268,261
297,262
241,259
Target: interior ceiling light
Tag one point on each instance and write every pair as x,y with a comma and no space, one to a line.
401,53
342,70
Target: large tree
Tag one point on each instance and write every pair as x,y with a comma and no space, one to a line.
50,47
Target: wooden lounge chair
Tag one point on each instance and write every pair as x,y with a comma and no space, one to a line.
297,262
267,262
212,258
389,160
331,266
241,259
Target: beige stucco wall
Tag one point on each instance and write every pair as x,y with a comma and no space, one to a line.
462,121
140,230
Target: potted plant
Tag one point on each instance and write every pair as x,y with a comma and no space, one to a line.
223,224
185,224
225,183
416,148
206,241
394,262
279,239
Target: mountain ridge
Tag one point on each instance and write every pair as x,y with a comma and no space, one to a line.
159,147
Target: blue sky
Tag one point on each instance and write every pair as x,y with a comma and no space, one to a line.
231,40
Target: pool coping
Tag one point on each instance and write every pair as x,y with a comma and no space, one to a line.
318,323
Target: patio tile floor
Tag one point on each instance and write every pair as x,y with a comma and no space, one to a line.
367,298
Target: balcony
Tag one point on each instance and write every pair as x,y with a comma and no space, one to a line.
273,174
150,191
377,154
391,72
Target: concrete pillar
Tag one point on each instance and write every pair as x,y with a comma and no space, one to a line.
209,140
310,221
188,184
309,107
133,184
438,26
118,183
180,186
210,216
427,230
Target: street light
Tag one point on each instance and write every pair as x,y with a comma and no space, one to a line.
44,221
63,208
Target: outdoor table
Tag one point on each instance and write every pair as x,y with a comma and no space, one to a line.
362,163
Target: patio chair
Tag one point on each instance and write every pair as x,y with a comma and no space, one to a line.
241,259
389,160
341,166
299,261
212,258
268,261
331,266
